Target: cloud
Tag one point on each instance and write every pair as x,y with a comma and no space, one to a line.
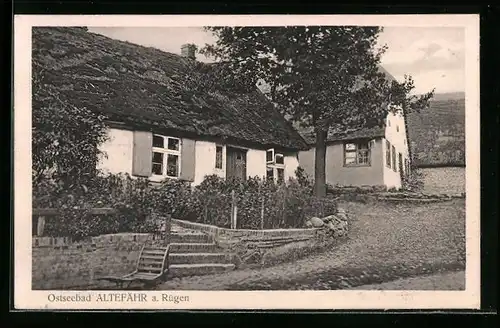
434,57
443,80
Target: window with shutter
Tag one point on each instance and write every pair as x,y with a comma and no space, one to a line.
142,157
188,159
388,153
166,156
394,166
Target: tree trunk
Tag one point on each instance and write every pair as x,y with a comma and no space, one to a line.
320,164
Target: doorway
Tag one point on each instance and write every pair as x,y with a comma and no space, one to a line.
236,163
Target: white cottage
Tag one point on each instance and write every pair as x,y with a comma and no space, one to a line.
169,117
378,156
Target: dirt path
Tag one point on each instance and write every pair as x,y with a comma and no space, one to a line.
442,281
386,242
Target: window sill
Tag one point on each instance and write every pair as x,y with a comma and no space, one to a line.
160,178
357,165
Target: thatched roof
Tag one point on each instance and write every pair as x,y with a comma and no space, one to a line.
155,89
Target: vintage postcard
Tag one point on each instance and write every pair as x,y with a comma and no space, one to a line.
246,162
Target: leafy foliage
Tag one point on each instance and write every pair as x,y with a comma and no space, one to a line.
414,179
321,77
139,204
65,138
260,203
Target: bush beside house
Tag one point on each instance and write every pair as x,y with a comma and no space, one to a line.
261,204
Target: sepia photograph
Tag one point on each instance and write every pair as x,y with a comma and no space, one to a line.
165,159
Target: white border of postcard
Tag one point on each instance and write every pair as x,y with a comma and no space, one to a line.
26,298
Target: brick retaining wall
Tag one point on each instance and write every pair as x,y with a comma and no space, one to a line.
59,263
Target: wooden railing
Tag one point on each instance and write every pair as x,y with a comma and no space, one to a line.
42,213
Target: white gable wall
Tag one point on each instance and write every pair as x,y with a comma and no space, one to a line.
398,140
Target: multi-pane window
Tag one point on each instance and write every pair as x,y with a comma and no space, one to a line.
218,157
356,154
270,156
275,166
394,166
166,156
388,153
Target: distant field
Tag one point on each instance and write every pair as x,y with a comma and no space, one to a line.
437,135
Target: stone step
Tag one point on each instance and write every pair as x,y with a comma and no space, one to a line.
189,238
153,251
183,270
193,247
150,261
196,258
152,257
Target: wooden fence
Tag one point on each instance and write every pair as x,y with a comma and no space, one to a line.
40,215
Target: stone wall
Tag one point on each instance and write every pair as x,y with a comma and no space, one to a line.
59,263
446,180
260,248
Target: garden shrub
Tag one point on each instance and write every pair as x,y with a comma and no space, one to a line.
137,202
260,203
414,180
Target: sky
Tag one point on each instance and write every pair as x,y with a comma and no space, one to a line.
433,56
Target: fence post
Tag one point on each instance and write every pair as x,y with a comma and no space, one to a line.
262,214
168,228
284,196
205,213
234,210
40,226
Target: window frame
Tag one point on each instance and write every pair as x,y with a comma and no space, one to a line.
407,165
165,152
357,152
275,166
394,159
388,154
271,150
221,157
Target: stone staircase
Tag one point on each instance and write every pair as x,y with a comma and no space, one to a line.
193,253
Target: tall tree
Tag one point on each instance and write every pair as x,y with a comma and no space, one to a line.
320,77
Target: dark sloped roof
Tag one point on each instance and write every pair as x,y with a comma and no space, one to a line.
148,86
